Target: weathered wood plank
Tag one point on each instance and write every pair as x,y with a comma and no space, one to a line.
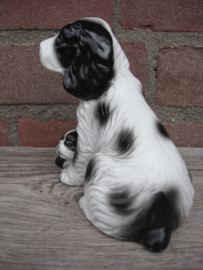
42,227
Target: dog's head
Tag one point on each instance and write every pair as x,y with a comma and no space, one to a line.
66,148
83,52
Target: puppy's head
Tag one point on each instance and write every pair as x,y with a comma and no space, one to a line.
66,148
83,52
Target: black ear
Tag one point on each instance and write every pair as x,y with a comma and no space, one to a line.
59,161
88,59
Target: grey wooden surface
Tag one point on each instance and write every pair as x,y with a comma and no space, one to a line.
42,227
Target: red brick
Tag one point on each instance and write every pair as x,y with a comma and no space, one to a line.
38,134
137,56
4,133
50,14
24,80
186,135
30,83
179,77
173,15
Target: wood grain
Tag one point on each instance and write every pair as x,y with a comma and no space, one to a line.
42,227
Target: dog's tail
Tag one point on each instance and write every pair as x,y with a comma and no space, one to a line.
159,222
153,226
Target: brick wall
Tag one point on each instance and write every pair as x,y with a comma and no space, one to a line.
163,41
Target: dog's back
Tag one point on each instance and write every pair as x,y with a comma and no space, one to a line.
137,186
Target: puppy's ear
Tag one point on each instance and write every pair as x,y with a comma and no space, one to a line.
91,63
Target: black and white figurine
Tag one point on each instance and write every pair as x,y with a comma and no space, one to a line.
136,185
66,148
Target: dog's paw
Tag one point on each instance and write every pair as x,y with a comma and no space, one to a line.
82,203
69,178
63,177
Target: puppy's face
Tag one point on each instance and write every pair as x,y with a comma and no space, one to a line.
83,52
66,147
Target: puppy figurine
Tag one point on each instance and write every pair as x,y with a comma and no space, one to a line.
136,185
65,148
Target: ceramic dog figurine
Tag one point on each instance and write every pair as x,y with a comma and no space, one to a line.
136,185
65,148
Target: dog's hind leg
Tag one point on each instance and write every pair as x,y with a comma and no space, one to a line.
160,221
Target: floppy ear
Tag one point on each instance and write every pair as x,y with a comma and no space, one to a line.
88,74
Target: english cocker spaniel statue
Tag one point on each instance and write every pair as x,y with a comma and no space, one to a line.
136,185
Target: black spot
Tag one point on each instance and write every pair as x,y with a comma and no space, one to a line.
59,161
102,113
121,202
153,227
162,130
71,140
125,141
89,170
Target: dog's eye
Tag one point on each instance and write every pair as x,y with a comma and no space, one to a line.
68,143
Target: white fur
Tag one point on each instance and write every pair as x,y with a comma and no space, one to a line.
154,164
47,50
